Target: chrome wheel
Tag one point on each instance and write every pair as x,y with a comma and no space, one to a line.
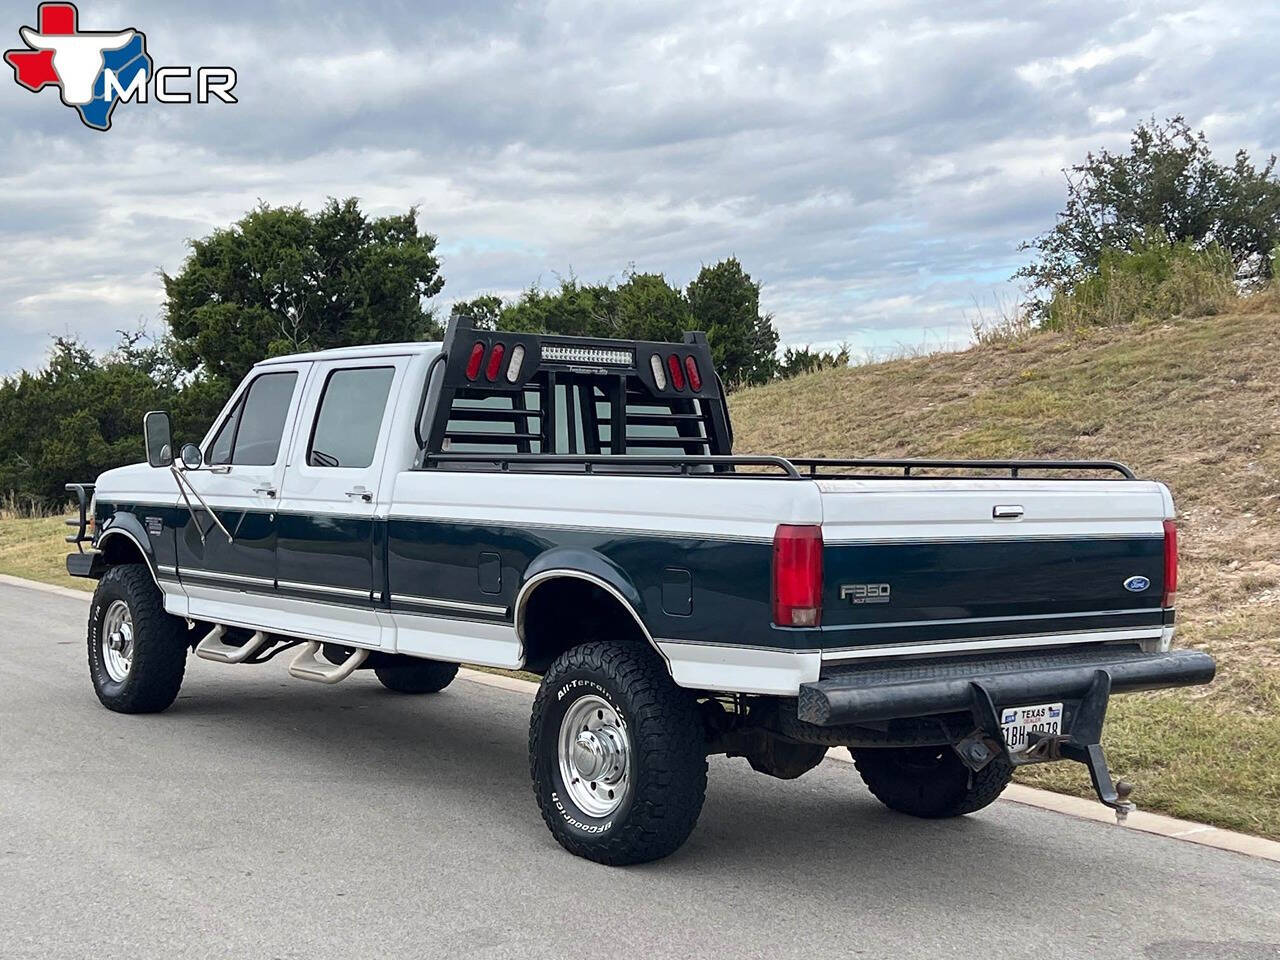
594,751
117,641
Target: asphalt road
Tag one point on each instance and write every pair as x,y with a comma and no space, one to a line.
263,816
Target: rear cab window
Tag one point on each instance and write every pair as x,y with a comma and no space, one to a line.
349,417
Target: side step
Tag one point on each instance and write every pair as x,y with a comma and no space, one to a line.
212,647
305,666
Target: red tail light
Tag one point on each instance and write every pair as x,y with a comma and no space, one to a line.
473,363
495,362
797,576
695,378
677,372
1170,563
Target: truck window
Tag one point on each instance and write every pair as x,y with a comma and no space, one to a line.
349,419
252,431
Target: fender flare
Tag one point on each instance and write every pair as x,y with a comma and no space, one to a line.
580,564
124,524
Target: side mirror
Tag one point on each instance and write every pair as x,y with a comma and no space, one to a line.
191,457
157,435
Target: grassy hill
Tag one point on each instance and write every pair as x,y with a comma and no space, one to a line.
1191,402
1194,403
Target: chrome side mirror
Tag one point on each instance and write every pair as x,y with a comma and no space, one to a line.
192,459
157,437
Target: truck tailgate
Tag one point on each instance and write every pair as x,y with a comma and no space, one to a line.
932,565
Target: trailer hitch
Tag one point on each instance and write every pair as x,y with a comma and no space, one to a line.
1082,744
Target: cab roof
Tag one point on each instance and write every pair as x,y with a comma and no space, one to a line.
357,352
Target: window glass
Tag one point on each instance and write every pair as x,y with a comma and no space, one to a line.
261,419
350,417
220,449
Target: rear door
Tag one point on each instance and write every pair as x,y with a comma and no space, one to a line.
936,565
328,534
244,465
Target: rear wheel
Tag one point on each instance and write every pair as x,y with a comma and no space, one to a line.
617,755
137,652
412,675
929,782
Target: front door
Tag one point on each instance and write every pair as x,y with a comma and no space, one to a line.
327,531
235,563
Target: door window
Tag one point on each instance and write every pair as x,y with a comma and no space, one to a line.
349,420
251,434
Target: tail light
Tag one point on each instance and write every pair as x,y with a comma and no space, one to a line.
473,363
691,368
677,372
1170,563
797,576
495,362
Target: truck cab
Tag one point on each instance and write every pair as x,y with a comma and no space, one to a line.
574,508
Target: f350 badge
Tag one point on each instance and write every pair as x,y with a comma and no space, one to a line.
865,592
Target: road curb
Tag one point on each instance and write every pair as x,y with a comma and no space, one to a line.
1187,831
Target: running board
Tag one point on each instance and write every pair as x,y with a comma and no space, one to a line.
212,647
305,666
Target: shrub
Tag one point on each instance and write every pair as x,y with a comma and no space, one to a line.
1157,279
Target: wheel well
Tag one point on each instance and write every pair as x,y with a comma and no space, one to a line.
566,611
118,549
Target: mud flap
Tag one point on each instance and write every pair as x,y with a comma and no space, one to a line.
1082,744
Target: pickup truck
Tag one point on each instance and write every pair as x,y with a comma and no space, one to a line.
572,507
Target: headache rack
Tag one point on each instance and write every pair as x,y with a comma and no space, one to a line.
534,403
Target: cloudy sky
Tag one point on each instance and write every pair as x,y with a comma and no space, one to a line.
873,164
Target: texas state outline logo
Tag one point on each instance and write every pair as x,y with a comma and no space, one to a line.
95,70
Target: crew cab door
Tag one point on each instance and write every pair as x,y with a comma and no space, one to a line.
332,494
244,464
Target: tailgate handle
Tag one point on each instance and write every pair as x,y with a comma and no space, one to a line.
1006,511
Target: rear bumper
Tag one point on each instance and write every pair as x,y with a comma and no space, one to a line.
873,693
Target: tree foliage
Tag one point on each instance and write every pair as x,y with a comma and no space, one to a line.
723,301
798,360
1167,185
283,280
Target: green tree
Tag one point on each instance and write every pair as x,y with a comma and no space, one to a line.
281,280
80,415
798,360
1166,185
725,302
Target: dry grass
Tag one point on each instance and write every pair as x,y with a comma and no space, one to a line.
34,548
1194,403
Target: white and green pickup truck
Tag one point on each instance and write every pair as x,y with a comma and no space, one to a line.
573,508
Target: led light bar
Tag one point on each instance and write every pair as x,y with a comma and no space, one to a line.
561,353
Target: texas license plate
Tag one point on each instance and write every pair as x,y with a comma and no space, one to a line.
1017,722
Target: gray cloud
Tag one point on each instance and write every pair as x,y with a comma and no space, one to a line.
875,165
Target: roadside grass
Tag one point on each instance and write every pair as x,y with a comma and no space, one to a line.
1191,402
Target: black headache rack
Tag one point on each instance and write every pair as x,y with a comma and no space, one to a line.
522,402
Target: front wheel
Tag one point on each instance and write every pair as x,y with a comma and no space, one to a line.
617,755
929,782
137,652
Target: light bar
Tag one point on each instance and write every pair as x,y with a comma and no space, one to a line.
561,353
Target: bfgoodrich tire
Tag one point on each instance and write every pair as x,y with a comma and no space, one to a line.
137,652
929,782
616,753
411,675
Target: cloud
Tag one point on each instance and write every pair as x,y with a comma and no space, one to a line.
874,165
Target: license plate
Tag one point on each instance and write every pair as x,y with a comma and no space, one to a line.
1017,722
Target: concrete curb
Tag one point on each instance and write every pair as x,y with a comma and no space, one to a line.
1155,823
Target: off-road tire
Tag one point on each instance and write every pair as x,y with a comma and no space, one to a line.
929,782
159,645
667,766
412,675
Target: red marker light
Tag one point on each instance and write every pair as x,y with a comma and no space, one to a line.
677,372
691,367
495,362
473,364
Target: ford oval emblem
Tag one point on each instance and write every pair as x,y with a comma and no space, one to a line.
1137,584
